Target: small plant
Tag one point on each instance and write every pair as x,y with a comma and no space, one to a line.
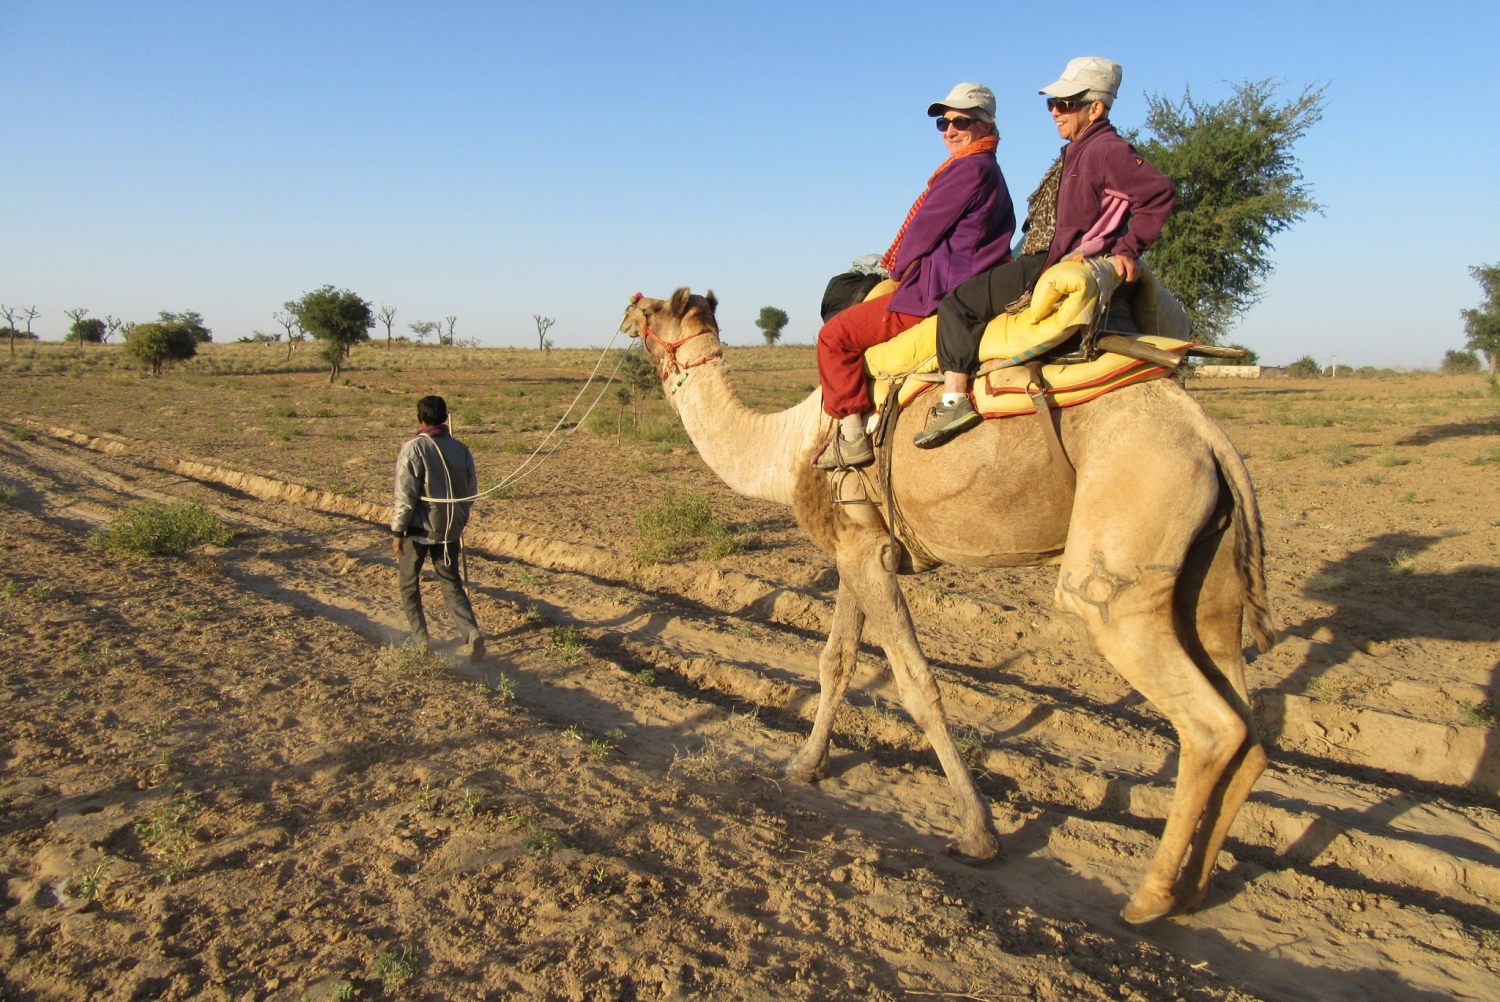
90,885
1482,714
970,745
709,764
566,643
678,524
408,659
646,676
150,529
395,969
505,688
426,797
573,731
1402,562
1340,454
534,615
1389,459
471,802
601,747
538,839
165,835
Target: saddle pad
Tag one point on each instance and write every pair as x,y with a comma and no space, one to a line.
1062,304
1002,393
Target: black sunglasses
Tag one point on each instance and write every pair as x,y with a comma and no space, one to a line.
957,121
1067,105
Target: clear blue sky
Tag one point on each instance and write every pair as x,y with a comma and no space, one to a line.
492,161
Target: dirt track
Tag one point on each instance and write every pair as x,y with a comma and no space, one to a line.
1367,863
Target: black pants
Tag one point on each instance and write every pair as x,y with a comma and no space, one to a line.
967,310
445,565
964,312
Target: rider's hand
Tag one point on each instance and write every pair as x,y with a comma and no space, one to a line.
1126,267
396,546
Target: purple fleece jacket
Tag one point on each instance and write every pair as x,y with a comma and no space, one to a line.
963,228
1098,160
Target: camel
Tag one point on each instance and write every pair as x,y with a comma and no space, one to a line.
1158,543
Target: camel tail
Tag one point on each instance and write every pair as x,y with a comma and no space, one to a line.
1249,538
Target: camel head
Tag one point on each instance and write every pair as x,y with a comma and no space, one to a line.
678,333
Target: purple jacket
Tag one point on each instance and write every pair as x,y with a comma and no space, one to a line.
1102,162
963,228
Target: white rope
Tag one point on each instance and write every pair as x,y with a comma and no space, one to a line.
531,463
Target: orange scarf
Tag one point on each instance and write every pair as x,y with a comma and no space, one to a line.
989,144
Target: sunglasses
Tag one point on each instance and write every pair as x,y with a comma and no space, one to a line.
957,121
1067,105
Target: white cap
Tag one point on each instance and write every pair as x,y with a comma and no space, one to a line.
1086,73
967,97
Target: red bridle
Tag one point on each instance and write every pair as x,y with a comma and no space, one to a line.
672,365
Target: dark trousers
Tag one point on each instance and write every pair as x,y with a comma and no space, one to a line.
968,309
445,565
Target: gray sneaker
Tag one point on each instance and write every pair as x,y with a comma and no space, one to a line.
476,649
946,421
841,454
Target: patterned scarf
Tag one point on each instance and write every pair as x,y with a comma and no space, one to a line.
1041,208
989,144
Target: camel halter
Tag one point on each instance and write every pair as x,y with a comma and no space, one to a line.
674,366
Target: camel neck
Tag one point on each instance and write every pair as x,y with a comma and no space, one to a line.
755,454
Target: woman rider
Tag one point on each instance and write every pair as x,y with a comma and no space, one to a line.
958,227
1100,198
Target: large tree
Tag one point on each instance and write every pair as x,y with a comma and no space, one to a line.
1483,324
88,330
190,321
772,321
338,318
1239,184
155,344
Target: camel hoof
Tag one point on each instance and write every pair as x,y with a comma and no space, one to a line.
798,773
1148,906
974,851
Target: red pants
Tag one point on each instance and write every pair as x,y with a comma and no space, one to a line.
841,348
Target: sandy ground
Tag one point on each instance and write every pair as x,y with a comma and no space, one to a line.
219,781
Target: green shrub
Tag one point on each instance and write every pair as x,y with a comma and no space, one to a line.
679,524
1304,367
150,529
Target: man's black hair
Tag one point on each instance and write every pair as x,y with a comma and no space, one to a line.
432,411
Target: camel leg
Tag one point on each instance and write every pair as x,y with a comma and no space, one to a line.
861,564
1213,603
1126,603
835,666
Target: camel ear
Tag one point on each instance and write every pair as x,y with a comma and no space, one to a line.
713,301
680,300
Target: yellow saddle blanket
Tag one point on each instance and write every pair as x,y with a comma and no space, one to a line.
1064,302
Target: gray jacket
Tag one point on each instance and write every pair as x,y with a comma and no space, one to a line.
438,467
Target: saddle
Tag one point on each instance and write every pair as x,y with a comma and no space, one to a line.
1050,351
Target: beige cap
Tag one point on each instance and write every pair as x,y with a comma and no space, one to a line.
967,97
1086,73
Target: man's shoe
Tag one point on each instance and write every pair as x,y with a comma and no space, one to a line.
476,649
946,421
842,454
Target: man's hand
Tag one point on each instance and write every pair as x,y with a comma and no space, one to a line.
396,546
1126,267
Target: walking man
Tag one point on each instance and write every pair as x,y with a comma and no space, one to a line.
436,465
